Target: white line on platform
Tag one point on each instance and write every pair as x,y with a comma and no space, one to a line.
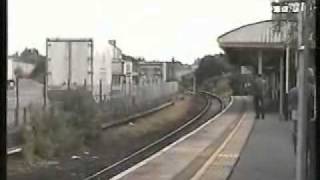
203,169
126,172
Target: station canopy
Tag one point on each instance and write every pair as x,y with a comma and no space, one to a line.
264,34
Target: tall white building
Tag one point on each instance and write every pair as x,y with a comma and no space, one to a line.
102,70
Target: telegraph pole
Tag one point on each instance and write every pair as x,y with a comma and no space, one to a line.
304,57
303,53
301,163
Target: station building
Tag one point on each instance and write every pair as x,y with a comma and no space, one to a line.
266,47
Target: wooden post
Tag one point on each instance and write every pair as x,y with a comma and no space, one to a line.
17,91
100,90
24,115
130,85
85,84
296,66
273,86
69,65
125,85
122,84
17,102
287,67
45,91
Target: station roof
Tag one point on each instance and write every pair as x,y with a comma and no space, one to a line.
257,35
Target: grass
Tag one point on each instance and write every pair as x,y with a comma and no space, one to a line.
159,123
61,129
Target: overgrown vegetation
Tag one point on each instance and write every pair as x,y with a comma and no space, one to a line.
39,71
214,74
210,66
61,129
223,89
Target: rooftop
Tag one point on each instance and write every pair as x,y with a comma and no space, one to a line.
261,34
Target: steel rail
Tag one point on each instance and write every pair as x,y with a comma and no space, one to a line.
157,142
212,119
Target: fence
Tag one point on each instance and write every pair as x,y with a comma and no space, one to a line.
29,92
139,99
125,103
17,117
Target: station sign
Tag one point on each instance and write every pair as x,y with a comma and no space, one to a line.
286,10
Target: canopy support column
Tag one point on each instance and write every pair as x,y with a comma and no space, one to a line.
260,62
281,88
287,68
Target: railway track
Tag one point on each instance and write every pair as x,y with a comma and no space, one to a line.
198,167
213,106
205,153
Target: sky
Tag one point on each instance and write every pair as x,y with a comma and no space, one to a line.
154,29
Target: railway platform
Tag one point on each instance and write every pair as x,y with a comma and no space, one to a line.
232,145
269,152
221,138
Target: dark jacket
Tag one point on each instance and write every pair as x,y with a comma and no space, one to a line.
293,99
258,87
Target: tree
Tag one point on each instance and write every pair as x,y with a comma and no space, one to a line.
30,56
212,65
39,70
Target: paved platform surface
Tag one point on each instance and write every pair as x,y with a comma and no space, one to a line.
221,163
268,153
184,158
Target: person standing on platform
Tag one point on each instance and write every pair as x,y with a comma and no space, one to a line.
258,95
293,107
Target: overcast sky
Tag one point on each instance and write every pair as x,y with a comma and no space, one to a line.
154,29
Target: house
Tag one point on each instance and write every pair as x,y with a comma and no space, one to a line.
124,70
152,72
156,72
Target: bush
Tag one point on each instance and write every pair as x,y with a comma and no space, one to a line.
61,129
223,88
84,112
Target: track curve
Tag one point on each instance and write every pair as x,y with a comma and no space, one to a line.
213,107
